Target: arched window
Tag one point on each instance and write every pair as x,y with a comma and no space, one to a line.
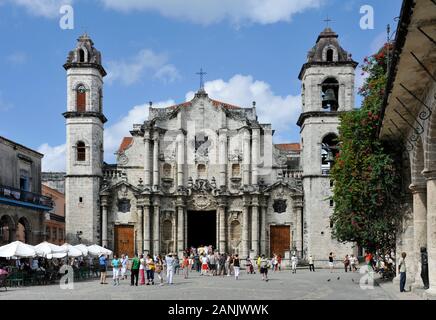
329,150
81,55
330,53
81,98
81,151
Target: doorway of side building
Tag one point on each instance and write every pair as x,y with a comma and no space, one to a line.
124,240
201,228
280,240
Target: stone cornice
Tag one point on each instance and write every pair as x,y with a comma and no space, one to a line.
86,65
87,114
429,175
317,114
418,188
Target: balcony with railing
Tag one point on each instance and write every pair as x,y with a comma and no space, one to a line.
16,197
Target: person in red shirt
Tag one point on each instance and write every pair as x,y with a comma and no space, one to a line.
279,262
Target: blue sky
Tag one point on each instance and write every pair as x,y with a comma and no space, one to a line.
250,49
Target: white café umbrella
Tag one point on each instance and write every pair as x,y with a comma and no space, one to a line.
97,250
47,250
71,251
17,249
82,248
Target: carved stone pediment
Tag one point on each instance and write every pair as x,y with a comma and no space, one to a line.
202,202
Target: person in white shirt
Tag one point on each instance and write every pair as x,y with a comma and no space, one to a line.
124,260
169,261
294,262
311,265
353,263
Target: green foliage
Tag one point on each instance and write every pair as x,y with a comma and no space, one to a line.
367,180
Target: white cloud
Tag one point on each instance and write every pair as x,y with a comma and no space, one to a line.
281,112
54,157
213,11
41,8
17,58
145,62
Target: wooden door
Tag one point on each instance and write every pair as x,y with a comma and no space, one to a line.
280,239
124,240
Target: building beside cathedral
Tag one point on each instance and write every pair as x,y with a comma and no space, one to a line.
206,172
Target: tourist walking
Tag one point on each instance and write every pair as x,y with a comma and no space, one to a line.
402,270
294,262
170,261
222,263
346,262
124,261
311,264
142,270
263,263
236,266
102,265
353,263
228,264
204,265
279,262
159,269
116,265
212,263
134,271
331,263
149,268
274,262
185,266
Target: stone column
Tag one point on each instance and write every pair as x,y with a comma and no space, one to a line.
263,211
139,243
146,229
104,205
255,226
245,228
222,228
255,155
180,158
298,209
223,157
156,161
419,228
180,225
156,226
247,158
431,229
147,166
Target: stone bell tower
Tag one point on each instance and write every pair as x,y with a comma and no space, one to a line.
84,156
327,90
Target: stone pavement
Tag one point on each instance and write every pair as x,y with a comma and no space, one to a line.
283,285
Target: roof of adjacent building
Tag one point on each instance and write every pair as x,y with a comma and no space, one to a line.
125,144
20,145
288,146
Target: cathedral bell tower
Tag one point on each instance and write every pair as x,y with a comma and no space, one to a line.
84,156
327,90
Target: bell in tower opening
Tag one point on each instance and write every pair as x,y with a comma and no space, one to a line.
330,88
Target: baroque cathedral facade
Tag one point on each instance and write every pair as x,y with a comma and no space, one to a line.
206,172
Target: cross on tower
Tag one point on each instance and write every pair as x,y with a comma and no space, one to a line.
327,20
201,73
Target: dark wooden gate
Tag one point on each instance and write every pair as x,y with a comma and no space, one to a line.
280,239
124,240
